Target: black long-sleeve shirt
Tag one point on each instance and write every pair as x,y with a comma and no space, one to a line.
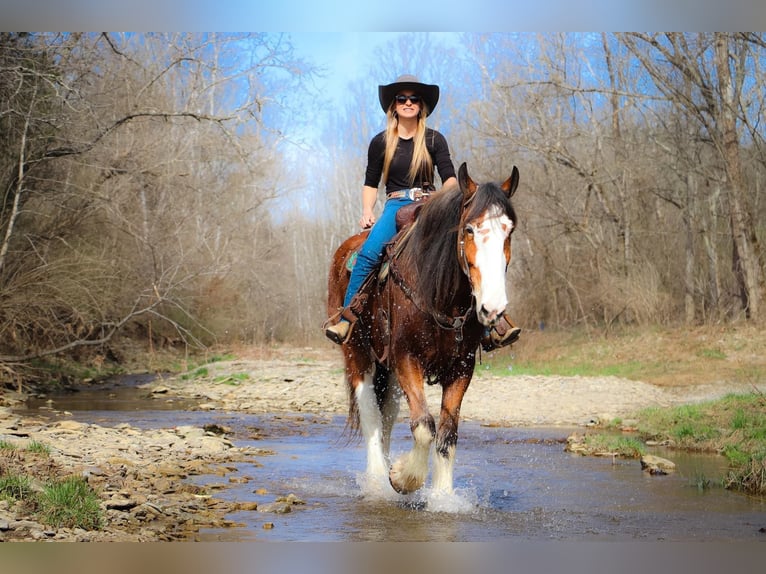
398,173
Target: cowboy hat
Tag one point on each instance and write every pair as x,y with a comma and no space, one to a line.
429,92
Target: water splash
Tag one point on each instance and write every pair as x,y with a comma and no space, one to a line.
376,488
460,501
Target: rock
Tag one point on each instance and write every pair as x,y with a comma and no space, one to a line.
188,431
276,508
657,465
71,426
290,499
576,444
121,504
206,407
216,429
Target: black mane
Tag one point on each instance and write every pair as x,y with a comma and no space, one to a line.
431,249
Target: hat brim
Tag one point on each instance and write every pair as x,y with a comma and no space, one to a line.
429,93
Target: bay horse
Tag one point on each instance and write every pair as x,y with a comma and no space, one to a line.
423,323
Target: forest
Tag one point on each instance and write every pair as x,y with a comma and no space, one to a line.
178,189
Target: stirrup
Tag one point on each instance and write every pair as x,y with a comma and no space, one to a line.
337,333
340,332
501,334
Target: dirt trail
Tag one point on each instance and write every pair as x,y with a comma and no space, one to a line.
308,380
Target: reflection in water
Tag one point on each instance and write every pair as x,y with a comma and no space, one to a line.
511,483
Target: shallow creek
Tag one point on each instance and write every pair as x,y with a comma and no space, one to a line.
511,483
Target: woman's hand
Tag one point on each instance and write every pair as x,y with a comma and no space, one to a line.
367,220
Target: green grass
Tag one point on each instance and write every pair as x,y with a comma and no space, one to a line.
199,373
15,487
717,354
569,367
38,447
70,503
234,379
734,426
627,447
5,445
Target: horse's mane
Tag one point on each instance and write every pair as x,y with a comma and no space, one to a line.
431,249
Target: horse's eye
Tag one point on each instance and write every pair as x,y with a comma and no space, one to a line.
468,229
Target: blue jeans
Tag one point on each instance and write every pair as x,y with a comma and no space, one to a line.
372,250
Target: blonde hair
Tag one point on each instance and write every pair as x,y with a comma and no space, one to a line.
422,163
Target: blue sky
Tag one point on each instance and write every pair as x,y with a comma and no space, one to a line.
345,55
338,16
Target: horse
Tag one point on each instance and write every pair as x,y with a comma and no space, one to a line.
422,322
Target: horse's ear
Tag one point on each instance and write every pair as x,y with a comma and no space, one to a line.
509,185
467,185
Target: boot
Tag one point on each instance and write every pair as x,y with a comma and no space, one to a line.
339,333
502,333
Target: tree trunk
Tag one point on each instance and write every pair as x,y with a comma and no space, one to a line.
747,250
688,217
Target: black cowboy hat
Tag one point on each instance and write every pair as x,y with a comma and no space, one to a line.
429,92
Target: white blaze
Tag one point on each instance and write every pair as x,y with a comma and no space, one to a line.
489,238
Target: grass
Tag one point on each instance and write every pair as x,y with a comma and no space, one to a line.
70,503
38,447
199,362
612,444
661,356
734,426
28,477
233,379
15,487
199,373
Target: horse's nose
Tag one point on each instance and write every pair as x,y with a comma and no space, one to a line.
487,316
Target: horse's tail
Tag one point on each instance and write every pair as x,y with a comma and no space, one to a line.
353,429
380,382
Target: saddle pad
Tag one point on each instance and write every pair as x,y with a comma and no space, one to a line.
351,261
382,272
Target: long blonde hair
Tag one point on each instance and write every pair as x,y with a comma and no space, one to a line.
422,163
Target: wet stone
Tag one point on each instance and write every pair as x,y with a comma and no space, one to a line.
656,465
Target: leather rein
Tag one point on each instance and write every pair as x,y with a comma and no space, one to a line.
444,321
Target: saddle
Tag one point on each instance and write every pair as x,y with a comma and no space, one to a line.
405,219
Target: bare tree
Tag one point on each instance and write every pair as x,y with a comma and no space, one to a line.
143,169
705,75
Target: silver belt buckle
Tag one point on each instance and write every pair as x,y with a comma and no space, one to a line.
412,193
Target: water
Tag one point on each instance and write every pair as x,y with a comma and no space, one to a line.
511,484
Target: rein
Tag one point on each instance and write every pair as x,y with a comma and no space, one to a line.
444,321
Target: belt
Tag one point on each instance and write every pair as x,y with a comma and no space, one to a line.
413,193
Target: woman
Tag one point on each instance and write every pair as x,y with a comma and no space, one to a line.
403,156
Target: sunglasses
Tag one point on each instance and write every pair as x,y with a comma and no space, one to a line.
403,99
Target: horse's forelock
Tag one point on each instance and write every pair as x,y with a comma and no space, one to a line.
487,195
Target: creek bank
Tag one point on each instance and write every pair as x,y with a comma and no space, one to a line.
140,476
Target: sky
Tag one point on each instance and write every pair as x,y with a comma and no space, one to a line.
345,55
343,16
341,36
